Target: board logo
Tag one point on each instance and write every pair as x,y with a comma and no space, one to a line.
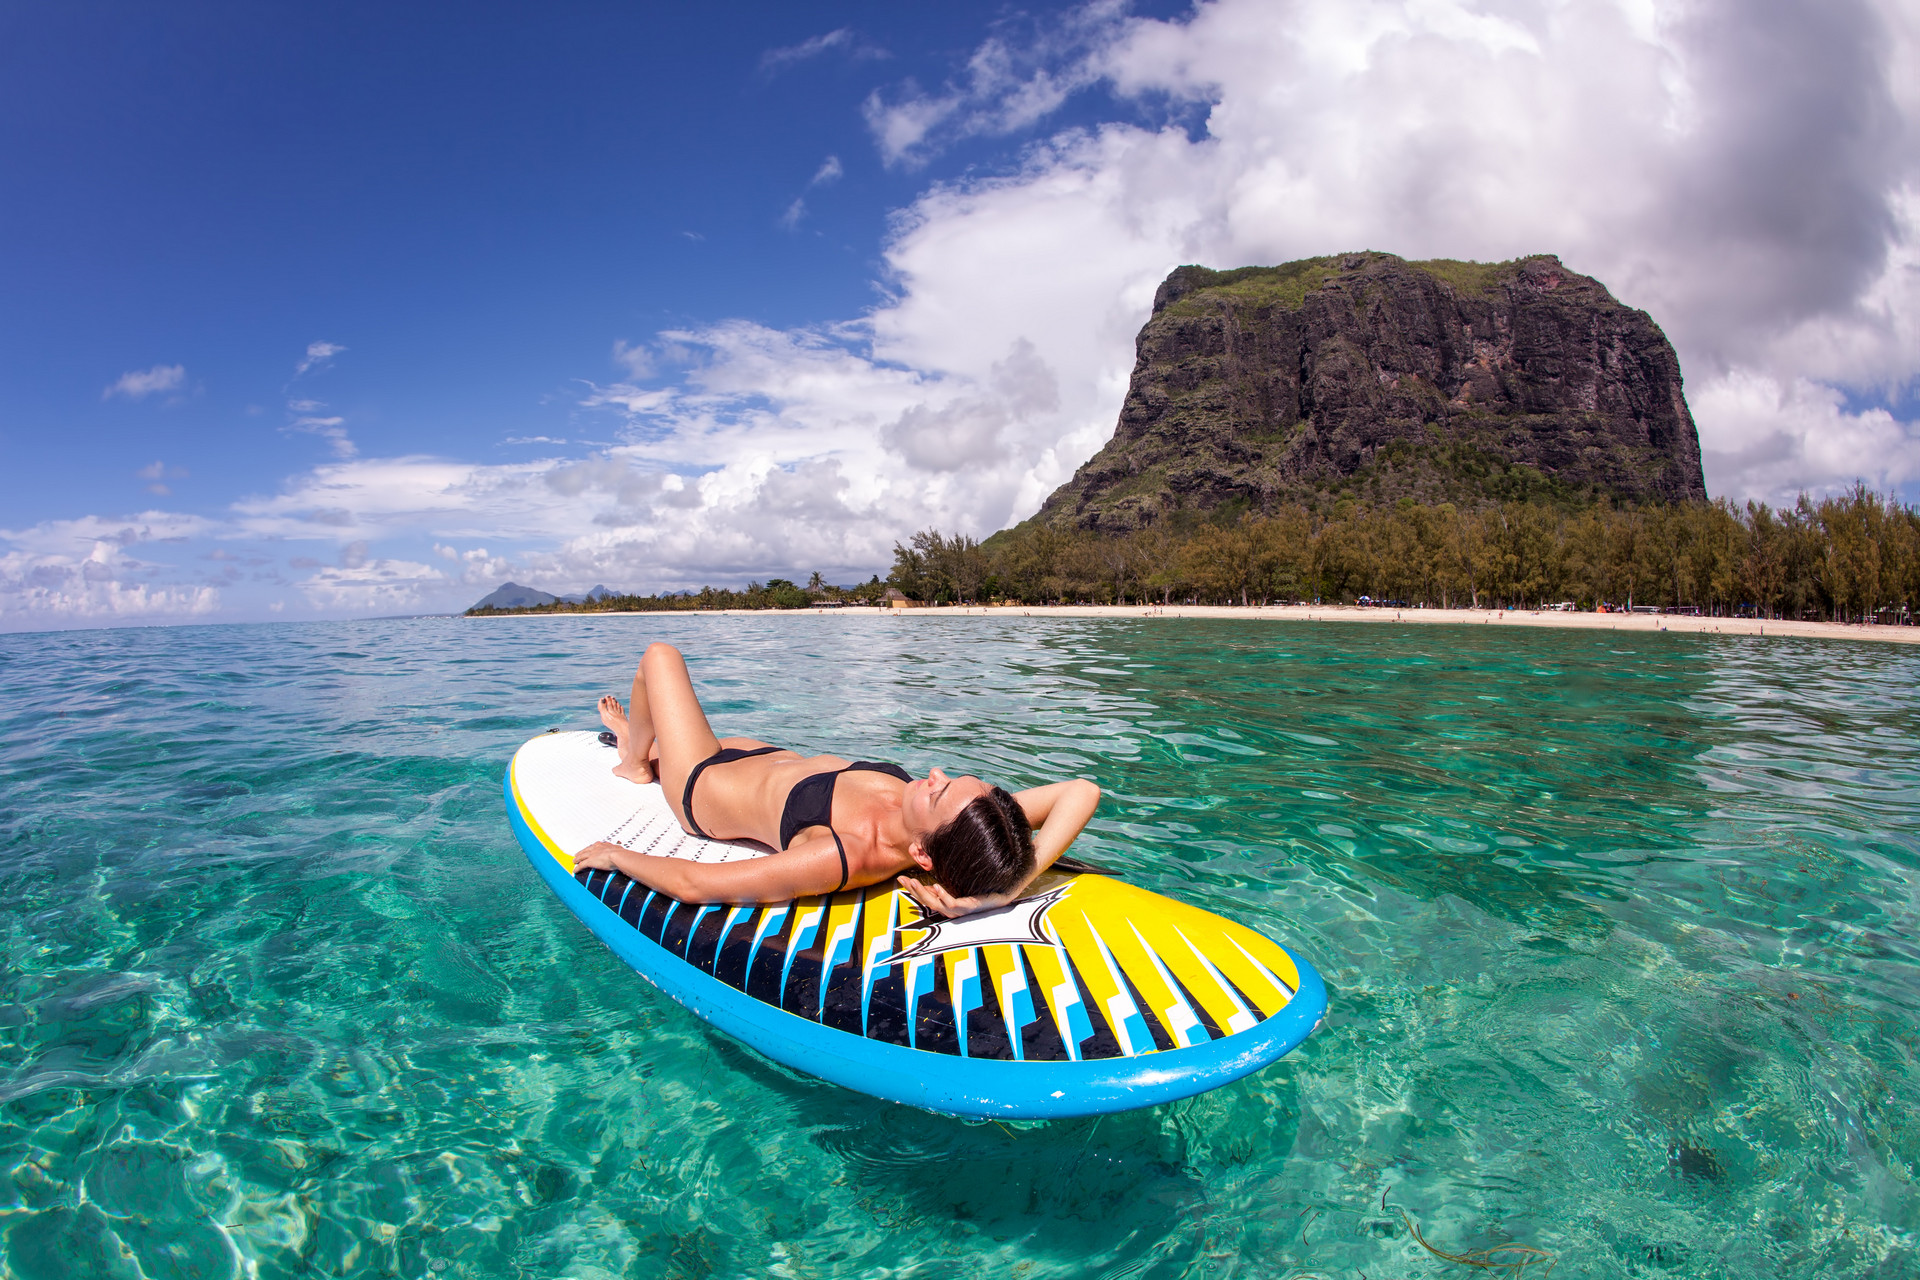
1017,924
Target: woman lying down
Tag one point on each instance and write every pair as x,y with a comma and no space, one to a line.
836,824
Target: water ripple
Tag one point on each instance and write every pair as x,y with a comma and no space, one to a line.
1622,940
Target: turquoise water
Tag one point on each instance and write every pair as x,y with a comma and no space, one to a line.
1621,936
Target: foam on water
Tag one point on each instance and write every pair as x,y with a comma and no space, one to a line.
1621,937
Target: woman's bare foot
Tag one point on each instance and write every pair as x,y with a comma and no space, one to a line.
614,716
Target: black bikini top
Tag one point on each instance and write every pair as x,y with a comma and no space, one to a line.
810,803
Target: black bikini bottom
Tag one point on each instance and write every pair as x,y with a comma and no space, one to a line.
722,756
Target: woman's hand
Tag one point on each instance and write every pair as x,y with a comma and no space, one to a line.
597,857
936,901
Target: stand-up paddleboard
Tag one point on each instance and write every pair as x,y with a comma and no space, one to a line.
1087,996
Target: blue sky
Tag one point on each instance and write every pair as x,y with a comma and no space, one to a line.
474,202
311,312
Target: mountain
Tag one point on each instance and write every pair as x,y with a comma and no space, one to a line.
511,595
1370,376
597,593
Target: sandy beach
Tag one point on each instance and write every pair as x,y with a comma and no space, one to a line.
1640,622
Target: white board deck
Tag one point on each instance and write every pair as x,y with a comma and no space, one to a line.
567,779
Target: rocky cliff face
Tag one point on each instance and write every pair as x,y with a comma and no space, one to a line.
1370,376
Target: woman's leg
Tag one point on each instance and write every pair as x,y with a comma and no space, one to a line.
675,720
638,728
639,751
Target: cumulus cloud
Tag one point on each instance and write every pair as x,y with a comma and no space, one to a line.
1745,173
138,384
1643,143
769,447
93,571
968,430
1775,435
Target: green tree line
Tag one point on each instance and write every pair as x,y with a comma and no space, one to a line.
1843,558
775,593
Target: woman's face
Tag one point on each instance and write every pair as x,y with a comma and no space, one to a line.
935,800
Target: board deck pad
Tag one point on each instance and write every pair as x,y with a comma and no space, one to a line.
1083,969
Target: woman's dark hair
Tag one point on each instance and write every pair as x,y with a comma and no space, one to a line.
987,848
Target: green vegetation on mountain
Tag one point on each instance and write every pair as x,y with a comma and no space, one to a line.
1364,375
1439,433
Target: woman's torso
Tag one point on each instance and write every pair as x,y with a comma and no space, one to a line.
747,799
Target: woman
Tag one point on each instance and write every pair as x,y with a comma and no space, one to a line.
836,824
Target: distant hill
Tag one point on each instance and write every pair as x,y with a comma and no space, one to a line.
511,595
1369,376
597,593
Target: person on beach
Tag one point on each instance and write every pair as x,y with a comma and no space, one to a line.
835,823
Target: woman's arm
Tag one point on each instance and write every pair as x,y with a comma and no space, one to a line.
1058,812
806,867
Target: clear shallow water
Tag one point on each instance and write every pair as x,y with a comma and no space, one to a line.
1621,936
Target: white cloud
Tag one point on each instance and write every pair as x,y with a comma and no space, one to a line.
1764,217
1781,438
1872,339
636,358
87,570
319,354
371,586
387,497
773,447
842,41
829,172
1016,78
332,430
1747,175
138,384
